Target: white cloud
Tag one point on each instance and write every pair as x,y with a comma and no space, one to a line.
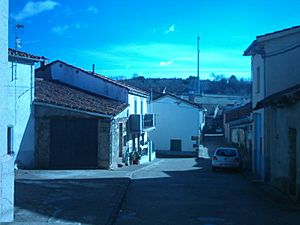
77,26
63,28
33,8
60,29
168,63
92,9
170,29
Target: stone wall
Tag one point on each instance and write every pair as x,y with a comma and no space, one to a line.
104,144
278,123
115,142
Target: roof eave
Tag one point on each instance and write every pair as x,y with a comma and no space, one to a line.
27,58
250,50
41,103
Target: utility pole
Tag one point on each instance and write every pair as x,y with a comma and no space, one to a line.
198,75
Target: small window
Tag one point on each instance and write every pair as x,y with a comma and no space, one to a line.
258,80
135,106
9,140
142,107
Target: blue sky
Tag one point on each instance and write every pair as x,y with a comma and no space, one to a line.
156,38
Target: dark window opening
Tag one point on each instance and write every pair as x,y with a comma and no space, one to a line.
10,140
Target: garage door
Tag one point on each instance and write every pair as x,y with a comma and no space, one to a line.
73,143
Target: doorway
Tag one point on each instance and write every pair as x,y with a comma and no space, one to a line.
176,145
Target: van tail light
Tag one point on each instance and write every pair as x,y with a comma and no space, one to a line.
215,158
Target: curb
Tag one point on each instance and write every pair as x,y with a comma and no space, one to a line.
117,202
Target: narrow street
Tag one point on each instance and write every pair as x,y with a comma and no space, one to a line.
186,191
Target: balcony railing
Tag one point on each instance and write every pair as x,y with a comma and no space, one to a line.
138,123
149,121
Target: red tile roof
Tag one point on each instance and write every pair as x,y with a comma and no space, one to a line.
17,53
282,98
238,113
59,94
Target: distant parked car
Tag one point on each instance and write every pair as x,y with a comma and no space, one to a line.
225,157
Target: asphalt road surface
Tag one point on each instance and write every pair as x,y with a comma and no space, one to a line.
185,191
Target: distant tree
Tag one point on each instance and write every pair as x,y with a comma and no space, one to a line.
217,77
135,75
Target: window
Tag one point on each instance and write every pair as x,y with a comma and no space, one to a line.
135,106
258,80
142,107
9,140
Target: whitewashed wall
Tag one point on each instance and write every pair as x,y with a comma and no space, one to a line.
78,78
21,96
6,161
175,120
140,110
282,70
258,94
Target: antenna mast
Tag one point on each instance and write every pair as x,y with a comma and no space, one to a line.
198,75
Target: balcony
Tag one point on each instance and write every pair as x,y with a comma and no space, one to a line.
138,123
149,122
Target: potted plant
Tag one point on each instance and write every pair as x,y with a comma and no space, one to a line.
136,158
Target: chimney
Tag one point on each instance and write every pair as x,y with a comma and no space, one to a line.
93,69
43,64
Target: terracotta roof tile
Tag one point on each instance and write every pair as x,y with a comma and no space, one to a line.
57,93
281,98
17,53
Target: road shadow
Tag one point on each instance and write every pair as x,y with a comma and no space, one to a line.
86,201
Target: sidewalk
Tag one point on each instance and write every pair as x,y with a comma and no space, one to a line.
70,196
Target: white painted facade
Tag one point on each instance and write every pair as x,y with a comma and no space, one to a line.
6,160
85,80
139,105
281,54
20,97
176,120
258,94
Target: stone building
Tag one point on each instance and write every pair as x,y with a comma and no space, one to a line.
140,121
75,128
